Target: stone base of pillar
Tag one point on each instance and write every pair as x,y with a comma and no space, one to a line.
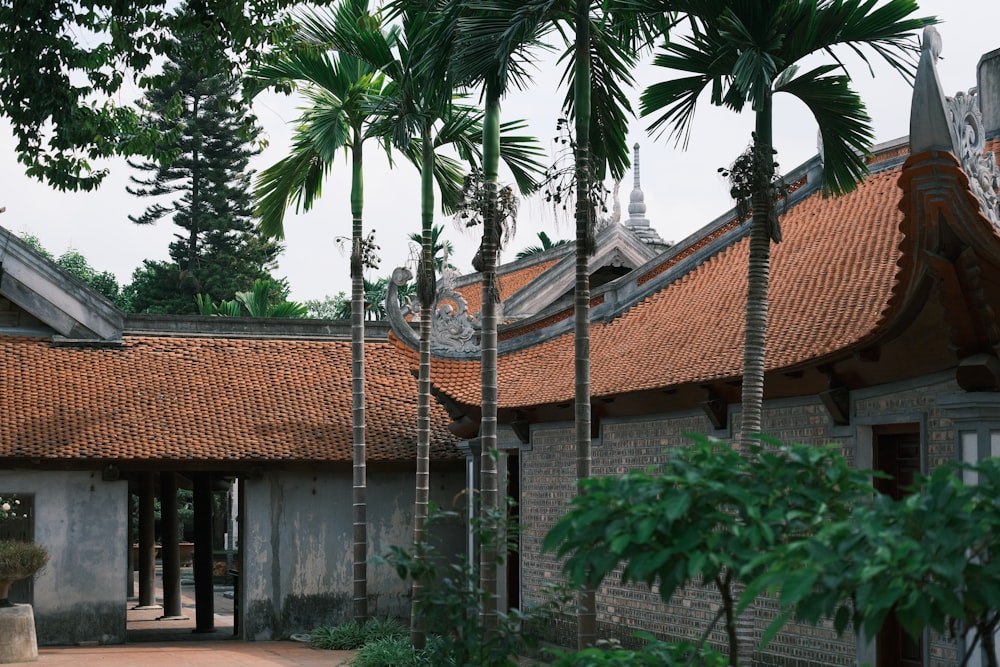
17,634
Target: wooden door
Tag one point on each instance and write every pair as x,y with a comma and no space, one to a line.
897,454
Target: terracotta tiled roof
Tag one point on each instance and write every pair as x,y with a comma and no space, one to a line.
831,282
511,282
205,399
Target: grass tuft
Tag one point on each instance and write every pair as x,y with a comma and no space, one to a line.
353,635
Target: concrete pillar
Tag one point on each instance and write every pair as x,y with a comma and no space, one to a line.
17,634
132,539
169,549
988,83
204,591
147,543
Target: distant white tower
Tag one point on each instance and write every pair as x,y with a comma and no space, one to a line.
637,220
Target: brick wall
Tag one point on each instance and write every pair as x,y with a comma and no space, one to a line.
548,475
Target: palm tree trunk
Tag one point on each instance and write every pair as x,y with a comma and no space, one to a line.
587,614
756,326
426,293
489,492
358,386
758,280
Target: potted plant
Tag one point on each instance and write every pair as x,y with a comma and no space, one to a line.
18,560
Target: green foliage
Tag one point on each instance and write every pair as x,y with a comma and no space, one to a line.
708,513
336,307
545,244
653,654
21,559
36,244
104,282
929,558
353,635
265,300
440,248
449,601
798,523
63,64
396,652
204,188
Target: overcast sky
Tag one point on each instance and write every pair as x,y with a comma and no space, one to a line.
683,190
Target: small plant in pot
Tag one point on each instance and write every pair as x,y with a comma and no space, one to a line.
18,559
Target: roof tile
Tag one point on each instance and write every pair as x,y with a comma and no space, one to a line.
206,399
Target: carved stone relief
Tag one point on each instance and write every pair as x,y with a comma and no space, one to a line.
979,165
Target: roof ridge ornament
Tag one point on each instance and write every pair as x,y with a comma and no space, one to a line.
930,128
979,165
452,328
453,331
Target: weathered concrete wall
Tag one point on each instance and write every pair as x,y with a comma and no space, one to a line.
298,544
82,521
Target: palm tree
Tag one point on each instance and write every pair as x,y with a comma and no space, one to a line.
606,37
545,243
477,62
441,249
339,88
746,52
422,117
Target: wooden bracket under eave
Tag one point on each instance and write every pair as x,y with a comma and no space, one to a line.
979,372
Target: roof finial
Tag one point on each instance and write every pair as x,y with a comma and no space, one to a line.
636,205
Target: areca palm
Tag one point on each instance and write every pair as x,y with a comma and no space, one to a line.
545,243
600,54
422,116
442,249
477,62
746,52
338,88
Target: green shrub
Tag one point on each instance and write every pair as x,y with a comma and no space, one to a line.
353,635
396,652
653,654
451,598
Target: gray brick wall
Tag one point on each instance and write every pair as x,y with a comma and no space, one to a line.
548,480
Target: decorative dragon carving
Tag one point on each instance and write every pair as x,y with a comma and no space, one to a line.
979,165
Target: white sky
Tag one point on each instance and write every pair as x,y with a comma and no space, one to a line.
683,190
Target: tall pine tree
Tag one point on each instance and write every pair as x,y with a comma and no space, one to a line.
205,190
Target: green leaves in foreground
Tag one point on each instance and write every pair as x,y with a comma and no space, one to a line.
798,523
707,509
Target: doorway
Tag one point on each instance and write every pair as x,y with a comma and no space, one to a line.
184,593
896,451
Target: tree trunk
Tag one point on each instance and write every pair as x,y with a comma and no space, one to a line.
587,618
360,508
426,293
489,491
758,279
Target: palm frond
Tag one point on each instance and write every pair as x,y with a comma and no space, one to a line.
296,178
844,125
523,155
